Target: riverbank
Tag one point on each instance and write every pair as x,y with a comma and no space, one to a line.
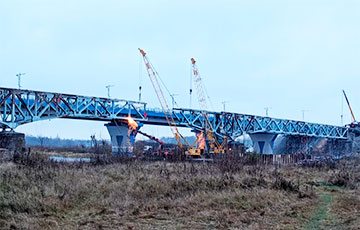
38,194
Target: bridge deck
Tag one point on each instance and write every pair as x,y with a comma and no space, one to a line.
18,107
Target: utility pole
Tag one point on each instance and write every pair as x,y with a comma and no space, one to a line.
140,92
190,99
303,114
108,89
140,76
267,111
191,90
224,104
342,110
19,79
173,99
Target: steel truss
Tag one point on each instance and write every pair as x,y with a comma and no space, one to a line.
234,125
18,107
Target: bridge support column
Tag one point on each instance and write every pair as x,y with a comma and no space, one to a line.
263,142
13,143
122,138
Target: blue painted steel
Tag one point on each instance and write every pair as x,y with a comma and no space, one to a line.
18,107
233,125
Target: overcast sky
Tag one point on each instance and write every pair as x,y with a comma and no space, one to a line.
287,55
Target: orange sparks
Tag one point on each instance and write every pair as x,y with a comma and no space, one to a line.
200,140
132,123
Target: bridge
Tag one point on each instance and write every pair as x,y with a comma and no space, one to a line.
19,107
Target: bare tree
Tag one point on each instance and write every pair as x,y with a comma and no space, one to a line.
42,140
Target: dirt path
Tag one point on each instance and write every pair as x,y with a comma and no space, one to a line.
322,218
321,213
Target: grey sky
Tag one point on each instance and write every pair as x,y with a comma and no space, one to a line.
287,55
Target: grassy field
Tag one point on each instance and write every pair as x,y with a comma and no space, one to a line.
229,194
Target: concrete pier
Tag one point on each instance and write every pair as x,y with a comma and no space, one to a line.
122,138
12,141
263,142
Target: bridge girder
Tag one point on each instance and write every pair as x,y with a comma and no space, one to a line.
234,125
18,107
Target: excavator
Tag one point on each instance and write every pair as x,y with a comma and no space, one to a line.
165,151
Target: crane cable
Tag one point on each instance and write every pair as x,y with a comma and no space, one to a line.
154,76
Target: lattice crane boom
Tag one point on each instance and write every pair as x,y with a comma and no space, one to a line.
352,114
199,87
154,78
214,145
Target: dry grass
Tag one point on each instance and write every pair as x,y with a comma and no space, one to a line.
38,194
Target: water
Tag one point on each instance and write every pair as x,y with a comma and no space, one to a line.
69,159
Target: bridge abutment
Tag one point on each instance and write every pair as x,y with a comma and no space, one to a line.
11,143
122,138
263,142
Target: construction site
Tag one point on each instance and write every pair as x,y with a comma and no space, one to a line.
293,175
228,116
215,133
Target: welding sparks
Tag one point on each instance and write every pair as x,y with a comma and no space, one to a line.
132,123
200,139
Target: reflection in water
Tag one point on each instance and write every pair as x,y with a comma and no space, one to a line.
69,159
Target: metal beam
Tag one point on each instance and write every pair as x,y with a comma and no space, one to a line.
18,107
235,124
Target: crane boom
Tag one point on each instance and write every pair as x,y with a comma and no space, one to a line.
214,145
152,138
199,87
352,114
154,76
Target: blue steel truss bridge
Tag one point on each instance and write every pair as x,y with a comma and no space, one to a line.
19,107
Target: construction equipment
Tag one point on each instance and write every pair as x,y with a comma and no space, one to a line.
154,78
152,138
352,114
199,150
355,125
213,144
164,151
